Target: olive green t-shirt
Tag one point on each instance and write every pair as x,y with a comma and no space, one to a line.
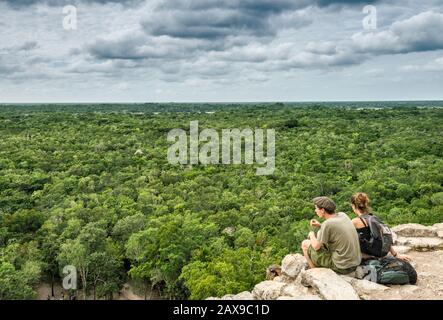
340,236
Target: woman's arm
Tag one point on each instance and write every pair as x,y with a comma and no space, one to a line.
400,256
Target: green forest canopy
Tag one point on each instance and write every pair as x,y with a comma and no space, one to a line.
75,191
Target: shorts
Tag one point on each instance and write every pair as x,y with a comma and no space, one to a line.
323,259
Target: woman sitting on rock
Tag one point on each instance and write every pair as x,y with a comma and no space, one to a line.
360,206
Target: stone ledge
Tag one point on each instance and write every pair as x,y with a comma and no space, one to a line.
328,284
415,230
421,244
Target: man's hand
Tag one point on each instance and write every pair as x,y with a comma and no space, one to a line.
315,223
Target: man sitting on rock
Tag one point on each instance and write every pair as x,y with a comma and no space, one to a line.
336,245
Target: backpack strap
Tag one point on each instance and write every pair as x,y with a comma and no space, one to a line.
364,222
374,224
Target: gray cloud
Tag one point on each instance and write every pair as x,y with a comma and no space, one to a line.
209,24
212,45
28,45
252,5
418,33
24,47
186,29
17,4
139,46
8,57
215,19
6,68
344,2
422,32
129,48
264,6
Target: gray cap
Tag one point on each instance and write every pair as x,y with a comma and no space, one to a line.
325,203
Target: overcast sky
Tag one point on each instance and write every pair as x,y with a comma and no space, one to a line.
220,50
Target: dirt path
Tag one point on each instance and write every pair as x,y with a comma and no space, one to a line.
44,290
128,294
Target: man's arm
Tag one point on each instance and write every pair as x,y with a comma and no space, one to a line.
314,242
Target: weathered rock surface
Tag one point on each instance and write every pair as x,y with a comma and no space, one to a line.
365,289
405,292
294,290
226,297
307,297
439,228
284,278
268,290
421,244
329,285
246,295
415,230
402,249
292,265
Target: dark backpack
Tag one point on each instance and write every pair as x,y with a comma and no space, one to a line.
388,270
380,241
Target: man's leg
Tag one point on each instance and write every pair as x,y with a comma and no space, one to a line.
305,247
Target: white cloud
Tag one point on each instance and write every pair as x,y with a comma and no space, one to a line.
422,32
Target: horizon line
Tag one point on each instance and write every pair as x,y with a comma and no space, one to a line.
209,102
